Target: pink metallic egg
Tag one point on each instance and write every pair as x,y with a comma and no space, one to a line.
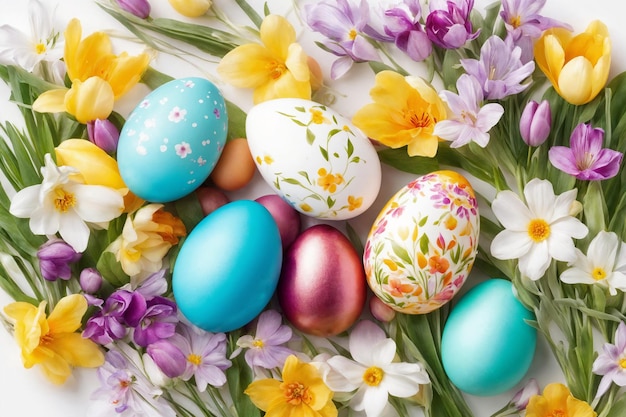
322,288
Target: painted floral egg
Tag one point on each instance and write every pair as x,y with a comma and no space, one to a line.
423,243
173,139
314,158
487,346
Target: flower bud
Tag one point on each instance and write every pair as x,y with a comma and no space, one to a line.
381,311
104,134
140,8
55,257
90,280
191,8
521,397
170,360
535,123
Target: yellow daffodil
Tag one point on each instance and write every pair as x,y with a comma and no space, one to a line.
96,167
577,66
51,341
98,76
302,393
558,401
146,238
404,112
276,69
191,8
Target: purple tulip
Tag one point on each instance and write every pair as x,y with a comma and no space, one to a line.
104,134
448,24
586,159
535,123
140,8
403,24
55,257
158,322
168,357
122,308
90,280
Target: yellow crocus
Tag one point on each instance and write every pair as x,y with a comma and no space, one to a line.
191,8
276,69
577,66
557,400
89,100
404,113
52,341
96,167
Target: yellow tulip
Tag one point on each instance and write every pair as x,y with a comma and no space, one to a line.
277,69
51,341
577,66
191,8
96,167
89,100
404,112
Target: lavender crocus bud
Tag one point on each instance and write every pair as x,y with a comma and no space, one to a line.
521,397
55,257
168,357
90,280
448,24
381,311
535,123
104,134
140,8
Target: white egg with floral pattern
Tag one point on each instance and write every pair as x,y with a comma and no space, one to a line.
314,158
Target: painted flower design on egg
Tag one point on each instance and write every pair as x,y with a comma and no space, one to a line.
423,243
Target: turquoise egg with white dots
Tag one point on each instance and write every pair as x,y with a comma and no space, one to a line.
172,140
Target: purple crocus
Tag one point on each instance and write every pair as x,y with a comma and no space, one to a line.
90,280
499,70
122,308
402,23
103,134
469,121
611,363
343,23
153,285
586,159
522,18
168,357
448,24
139,8
265,348
55,257
158,322
535,122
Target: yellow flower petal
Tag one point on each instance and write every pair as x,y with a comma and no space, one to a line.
264,392
575,81
52,101
18,310
191,8
95,165
284,87
246,66
67,314
125,72
277,34
390,89
297,63
88,57
423,145
54,367
554,57
77,351
90,100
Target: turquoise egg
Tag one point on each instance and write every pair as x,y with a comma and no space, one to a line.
228,267
487,347
172,140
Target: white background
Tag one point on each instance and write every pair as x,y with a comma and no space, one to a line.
27,393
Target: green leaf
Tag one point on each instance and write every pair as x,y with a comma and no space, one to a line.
619,408
324,153
399,159
330,202
189,211
239,376
401,252
250,12
380,66
111,270
350,148
424,241
236,121
354,238
154,78
310,138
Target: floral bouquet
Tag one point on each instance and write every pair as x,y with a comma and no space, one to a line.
146,259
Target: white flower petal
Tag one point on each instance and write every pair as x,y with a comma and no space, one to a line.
616,281
576,276
364,336
563,204
25,201
448,129
44,222
510,211
535,263
371,399
352,372
96,203
510,244
404,379
602,250
74,231
540,199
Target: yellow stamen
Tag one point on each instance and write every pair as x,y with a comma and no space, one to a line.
622,363
418,120
538,230
373,376
258,343
598,273
515,21
296,393
45,339
352,34
40,48
276,69
64,200
195,359
557,413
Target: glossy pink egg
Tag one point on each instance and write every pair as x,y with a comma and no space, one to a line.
322,288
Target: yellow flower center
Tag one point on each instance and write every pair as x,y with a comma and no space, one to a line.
317,116
40,48
352,34
45,339
516,21
276,69
622,363
422,119
586,161
258,343
538,230
195,359
64,200
468,115
557,413
598,273
373,376
296,393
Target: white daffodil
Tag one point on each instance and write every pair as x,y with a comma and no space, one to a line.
43,43
538,232
605,264
372,373
60,204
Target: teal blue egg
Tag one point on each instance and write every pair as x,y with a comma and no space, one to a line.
228,267
487,347
172,140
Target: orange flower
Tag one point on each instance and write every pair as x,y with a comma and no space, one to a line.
328,181
354,202
398,289
438,264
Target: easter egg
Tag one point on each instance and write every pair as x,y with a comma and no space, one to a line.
173,139
487,347
314,158
228,267
423,243
322,285
235,168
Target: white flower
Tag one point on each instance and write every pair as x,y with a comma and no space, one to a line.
27,51
603,265
372,372
60,204
539,232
